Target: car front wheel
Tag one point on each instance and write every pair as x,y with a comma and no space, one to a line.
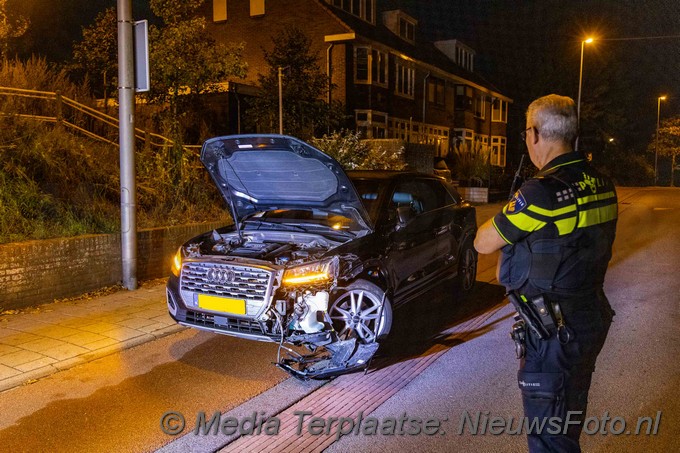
361,311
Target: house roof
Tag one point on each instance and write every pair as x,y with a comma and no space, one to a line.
423,51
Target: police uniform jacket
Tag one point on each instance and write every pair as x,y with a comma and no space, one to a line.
559,228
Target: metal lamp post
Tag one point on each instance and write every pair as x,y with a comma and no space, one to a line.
580,84
656,141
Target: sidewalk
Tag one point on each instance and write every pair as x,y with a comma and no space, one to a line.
37,342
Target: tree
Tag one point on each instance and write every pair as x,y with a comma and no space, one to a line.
11,26
97,53
187,62
305,113
669,141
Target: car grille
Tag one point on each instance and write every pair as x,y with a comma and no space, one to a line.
249,283
231,325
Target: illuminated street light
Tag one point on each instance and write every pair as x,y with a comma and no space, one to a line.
656,145
580,83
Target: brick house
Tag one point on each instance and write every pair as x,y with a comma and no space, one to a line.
392,83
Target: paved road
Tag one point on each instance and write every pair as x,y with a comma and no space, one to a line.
462,361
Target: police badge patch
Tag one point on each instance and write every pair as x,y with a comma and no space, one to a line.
517,203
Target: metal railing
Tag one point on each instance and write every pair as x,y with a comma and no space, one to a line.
76,116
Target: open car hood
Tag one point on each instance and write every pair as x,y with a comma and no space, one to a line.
266,172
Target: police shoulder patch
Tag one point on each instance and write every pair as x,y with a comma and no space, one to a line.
517,203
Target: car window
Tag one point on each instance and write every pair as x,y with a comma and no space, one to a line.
407,193
369,192
437,195
423,195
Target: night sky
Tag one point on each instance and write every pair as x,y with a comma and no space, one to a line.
524,48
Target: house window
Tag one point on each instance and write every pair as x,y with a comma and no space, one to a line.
405,78
361,74
499,111
435,91
379,67
480,107
219,10
371,66
256,8
463,97
498,151
360,8
464,138
407,29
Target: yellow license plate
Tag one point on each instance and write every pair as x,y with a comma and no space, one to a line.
222,304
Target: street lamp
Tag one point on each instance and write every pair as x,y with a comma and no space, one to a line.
580,81
656,141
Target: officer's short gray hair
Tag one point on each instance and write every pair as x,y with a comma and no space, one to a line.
554,117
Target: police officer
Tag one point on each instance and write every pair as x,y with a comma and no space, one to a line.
555,237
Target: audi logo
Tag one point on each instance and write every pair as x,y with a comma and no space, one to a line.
220,276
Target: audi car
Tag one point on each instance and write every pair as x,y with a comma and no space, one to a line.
318,259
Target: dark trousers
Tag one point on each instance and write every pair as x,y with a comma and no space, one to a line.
555,377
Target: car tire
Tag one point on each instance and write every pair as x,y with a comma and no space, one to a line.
467,269
355,309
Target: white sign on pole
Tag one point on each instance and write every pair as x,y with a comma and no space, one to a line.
141,35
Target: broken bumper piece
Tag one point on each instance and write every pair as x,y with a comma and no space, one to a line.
339,358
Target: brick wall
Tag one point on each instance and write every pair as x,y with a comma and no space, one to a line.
36,272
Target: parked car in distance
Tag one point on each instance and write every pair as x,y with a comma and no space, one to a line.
317,257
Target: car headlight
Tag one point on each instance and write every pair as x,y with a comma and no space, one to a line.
317,272
176,265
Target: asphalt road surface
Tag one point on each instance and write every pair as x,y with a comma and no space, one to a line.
464,366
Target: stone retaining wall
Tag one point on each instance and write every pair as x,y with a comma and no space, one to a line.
36,272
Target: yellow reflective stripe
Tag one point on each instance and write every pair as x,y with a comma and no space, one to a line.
566,226
598,197
552,212
493,222
525,222
596,216
562,165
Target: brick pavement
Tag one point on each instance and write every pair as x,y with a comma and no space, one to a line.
37,342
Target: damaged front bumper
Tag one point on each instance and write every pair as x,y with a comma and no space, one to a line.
337,358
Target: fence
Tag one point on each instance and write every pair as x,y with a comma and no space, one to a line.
75,116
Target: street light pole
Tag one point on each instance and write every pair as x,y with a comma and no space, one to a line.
656,140
580,83
280,100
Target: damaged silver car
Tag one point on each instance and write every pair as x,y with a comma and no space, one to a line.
317,259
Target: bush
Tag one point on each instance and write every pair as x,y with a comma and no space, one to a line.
470,165
355,154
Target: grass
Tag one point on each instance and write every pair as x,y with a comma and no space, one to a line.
53,184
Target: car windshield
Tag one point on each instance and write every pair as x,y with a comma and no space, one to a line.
308,220
369,191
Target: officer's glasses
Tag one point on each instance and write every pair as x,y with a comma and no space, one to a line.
523,134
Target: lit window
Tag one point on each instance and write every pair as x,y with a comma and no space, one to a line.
435,91
219,10
499,113
256,8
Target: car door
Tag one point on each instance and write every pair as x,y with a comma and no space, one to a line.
414,254
446,222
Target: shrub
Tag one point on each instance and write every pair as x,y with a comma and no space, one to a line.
355,154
